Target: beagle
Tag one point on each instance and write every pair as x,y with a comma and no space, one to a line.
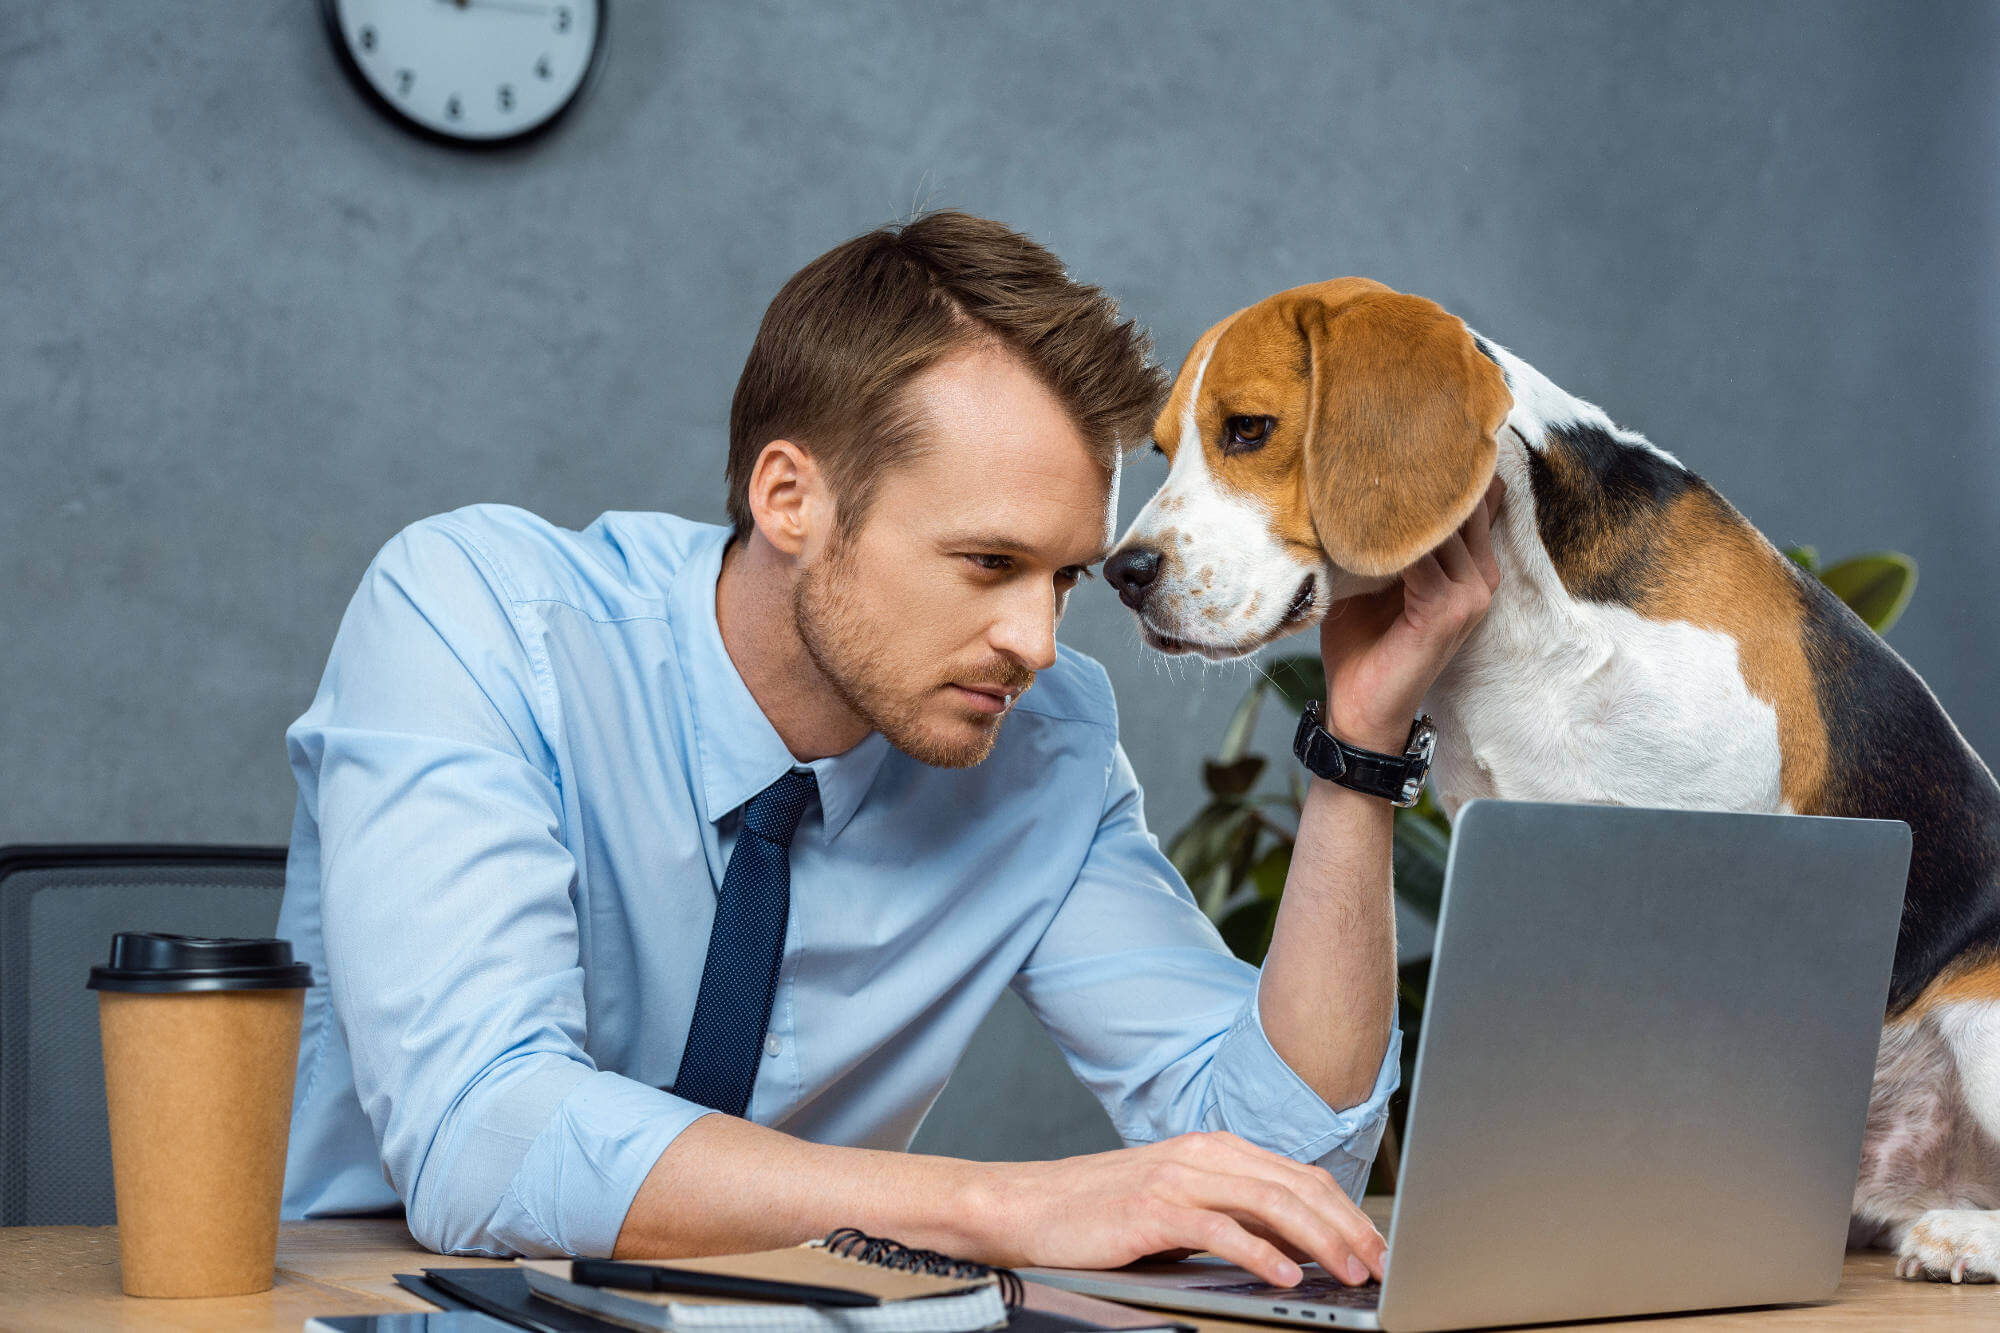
1646,646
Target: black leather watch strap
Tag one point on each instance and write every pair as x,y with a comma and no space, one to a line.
1396,778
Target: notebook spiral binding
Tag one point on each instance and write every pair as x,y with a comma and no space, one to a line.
854,1243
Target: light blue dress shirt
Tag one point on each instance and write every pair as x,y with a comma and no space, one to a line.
519,785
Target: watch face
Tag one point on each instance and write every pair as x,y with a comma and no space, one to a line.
472,71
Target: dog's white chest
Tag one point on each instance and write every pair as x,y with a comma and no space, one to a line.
1600,703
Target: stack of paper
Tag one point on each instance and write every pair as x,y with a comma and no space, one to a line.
911,1302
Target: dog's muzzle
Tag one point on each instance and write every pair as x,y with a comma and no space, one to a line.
1133,571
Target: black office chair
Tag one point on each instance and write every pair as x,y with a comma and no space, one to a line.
59,908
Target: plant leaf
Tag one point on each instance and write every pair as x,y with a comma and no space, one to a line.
1204,850
1267,876
1236,737
1247,930
1226,779
1805,557
1412,981
1428,809
1877,585
1299,679
1418,858
1206,838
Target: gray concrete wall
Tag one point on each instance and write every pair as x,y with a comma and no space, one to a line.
249,329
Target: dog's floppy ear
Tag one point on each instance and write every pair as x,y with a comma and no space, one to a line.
1403,410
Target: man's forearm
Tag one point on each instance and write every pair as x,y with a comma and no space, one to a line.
1328,991
726,1185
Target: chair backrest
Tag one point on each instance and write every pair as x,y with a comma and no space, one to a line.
59,908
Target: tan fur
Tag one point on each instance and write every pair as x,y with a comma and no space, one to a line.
1167,426
1968,979
1403,414
1385,415
1708,566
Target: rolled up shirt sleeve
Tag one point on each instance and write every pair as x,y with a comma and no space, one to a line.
450,932
1161,1021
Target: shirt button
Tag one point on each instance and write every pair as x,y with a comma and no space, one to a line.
772,1046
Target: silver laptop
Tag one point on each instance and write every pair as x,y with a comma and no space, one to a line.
1643,1077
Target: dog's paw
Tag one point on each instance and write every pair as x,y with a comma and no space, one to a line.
1959,1244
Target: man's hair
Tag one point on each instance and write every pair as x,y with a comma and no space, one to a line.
845,336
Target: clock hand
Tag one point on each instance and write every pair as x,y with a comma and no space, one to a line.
511,8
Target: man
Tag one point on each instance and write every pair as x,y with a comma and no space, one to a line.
600,833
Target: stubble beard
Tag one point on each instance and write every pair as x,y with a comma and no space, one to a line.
836,638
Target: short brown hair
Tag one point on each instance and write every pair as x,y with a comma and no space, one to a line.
848,332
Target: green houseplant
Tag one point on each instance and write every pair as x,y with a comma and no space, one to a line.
1235,851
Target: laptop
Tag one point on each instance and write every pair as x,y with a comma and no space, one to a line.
1643,1077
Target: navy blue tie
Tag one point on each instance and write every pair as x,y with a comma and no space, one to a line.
745,946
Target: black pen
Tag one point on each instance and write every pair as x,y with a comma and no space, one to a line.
650,1277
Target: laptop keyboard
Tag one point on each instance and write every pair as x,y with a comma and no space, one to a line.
1312,1291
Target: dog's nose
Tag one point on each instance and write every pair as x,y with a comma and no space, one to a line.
1132,572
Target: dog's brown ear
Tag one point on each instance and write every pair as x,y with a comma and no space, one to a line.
1404,406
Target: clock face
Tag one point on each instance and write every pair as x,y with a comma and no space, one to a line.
476,71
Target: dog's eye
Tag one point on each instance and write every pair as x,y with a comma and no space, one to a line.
1242,434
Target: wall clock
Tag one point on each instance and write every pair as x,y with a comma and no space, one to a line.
470,72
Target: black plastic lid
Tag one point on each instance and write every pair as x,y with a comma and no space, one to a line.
156,963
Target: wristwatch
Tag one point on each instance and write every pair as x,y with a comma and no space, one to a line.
1396,778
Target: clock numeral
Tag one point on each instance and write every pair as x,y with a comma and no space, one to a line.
452,108
542,70
506,97
562,18
404,78
368,37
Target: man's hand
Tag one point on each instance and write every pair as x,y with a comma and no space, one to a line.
1382,650
726,1186
1207,1191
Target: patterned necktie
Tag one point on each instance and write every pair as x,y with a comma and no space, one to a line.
745,946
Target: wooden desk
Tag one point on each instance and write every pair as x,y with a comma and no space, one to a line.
66,1278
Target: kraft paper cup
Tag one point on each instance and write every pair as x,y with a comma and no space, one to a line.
201,1043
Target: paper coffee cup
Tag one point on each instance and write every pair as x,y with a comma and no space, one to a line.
201,1042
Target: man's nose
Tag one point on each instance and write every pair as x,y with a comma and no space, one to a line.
1132,572
1030,640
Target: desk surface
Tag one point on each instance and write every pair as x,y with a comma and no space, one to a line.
67,1278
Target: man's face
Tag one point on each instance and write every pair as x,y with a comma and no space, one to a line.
934,616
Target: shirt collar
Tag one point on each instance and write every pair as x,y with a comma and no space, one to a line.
737,750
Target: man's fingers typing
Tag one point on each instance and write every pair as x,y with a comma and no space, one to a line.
1266,1197
1210,1191
1220,1234
1319,1194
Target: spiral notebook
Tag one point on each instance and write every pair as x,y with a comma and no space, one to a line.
920,1291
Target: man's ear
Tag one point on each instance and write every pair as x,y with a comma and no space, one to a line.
789,499
1400,445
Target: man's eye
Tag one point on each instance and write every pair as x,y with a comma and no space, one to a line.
994,563
1242,434
1073,575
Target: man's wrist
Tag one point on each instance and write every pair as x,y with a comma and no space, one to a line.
986,1210
1368,733
945,1203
